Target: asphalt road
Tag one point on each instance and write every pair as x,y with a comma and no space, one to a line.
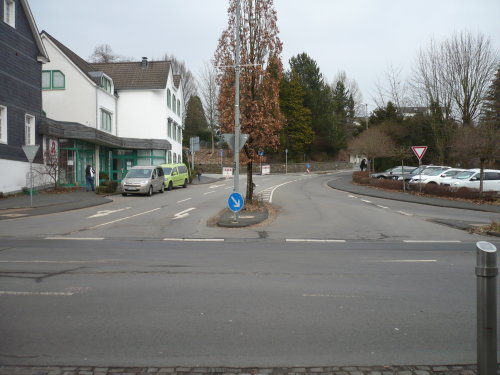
331,279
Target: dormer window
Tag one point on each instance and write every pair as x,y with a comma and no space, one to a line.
9,12
174,103
107,85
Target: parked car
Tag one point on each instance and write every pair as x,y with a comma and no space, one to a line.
394,173
427,176
421,169
175,175
445,178
143,180
471,179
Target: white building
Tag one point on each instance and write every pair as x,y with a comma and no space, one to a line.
112,116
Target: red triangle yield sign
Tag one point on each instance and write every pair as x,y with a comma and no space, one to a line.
419,151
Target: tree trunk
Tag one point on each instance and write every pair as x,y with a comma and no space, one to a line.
249,196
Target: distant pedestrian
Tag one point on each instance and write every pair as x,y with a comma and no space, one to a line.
89,177
363,165
199,172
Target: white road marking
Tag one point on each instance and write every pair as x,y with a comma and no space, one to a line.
183,200
352,196
215,186
124,218
107,212
364,200
404,213
432,241
378,205
76,238
56,294
180,215
209,192
405,261
312,240
329,295
270,191
59,261
195,239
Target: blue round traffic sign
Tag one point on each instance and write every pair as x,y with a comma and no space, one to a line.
235,202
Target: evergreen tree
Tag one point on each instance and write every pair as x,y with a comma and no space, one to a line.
297,133
491,110
195,124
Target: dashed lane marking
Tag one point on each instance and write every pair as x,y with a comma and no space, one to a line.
124,218
76,238
195,239
432,241
313,240
55,294
183,200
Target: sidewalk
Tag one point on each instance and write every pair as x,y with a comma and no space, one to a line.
48,203
330,370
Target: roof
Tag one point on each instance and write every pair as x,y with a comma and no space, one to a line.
74,130
84,66
42,52
133,75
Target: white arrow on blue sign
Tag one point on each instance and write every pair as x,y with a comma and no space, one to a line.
235,202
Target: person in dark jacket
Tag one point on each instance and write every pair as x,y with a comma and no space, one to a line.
363,165
89,177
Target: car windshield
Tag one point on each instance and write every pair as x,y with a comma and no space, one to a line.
167,170
433,172
418,170
451,173
139,173
464,175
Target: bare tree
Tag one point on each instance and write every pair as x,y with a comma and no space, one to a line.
429,79
188,80
374,143
394,89
50,170
469,67
209,92
103,53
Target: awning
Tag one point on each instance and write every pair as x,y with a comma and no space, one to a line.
74,130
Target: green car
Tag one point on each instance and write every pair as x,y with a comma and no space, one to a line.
175,175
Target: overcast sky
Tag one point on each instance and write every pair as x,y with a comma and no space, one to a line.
361,37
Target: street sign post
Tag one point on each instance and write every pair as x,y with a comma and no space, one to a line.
30,152
235,202
419,151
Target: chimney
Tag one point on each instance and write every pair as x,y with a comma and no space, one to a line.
144,63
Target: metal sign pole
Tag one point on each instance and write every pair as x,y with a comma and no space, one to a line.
31,183
237,106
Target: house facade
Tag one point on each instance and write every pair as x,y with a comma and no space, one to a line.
22,55
112,116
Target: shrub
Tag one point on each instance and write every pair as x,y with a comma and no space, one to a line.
387,183
362,178
103,176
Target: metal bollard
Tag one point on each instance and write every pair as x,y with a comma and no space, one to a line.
486,272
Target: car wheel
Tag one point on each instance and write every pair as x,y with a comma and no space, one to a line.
380,177
431,183
124,194
185,184
162,189
169,186
150,191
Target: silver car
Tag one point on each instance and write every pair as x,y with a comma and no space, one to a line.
143,180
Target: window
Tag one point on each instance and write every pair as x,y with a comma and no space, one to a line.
173,103
9,12
3,124
107,85
105,120
178,107
169,129
29,130
169,99
46,80
53,79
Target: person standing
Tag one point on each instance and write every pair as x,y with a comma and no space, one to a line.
199,171
89,177
363,165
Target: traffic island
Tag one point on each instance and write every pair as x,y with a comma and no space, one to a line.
246,217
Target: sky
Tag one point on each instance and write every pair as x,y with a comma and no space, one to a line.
363,38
